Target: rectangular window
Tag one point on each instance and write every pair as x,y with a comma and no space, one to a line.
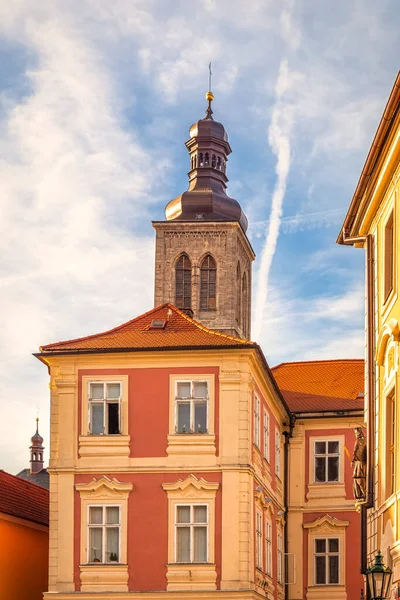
104,408
268,548
266,435
104,534
391,442
326,461
277,453
280,558
259,540
191,533
326,561
191,407
256,421
389,256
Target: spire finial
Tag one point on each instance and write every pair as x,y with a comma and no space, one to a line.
37,424
209,94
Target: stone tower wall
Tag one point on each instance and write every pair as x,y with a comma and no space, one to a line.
228,245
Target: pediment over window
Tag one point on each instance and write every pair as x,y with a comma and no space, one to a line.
326,524
191,487
104,487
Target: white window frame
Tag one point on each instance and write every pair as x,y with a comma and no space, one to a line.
256,420
192,400
326,554
280,555
326,455
259,540
103,526
268,547
105,402
191,526
278,442
266,435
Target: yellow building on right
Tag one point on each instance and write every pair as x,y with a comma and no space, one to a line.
373,223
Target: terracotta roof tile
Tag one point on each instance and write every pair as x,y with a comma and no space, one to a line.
180,331
321,385
20,498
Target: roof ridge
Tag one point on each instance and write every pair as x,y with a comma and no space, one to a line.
24,481
327,360
112,330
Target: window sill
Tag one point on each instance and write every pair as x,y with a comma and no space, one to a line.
104,577
191,443
104,445
191,576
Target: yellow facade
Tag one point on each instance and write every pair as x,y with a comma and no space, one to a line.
373,222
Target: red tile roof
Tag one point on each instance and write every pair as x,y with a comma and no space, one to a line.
321,385
180,331
20,498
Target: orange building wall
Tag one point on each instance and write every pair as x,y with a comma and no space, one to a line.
148,527
24,561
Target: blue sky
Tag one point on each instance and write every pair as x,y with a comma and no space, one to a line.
97,99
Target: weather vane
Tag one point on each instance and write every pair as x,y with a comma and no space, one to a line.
209,77
209,95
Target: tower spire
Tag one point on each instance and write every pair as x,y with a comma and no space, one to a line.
36,450
209,95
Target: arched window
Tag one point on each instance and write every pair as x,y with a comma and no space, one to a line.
219,163
239,295
245,305
183,282
206,159
34,456
201,164
40,456
213,161
195,161
208,284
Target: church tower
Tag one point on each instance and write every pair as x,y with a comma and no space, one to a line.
203,257
36,450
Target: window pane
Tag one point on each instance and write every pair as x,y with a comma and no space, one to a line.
334,569
200,389
333,468
97,418
320,447
113,417
333,545
112,515
320,545
200,514
113,390
320,569
96,391
183,514
112,544
183,389
320,469
200,544
183,417
183,544
200,417
95,544
95,515
333,447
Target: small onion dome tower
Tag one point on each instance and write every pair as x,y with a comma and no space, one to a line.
206,198
36,451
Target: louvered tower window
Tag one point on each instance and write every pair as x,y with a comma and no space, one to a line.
183,282
208,284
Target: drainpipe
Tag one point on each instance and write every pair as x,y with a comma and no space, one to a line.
368,241
288,435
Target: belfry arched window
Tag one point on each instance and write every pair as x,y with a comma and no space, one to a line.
206,159
239,295
219,163
213,161
208,284
245,305
201,164
183,282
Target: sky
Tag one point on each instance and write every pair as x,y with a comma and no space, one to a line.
97,98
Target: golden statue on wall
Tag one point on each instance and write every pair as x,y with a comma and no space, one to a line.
359,463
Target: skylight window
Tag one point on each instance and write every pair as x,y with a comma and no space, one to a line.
158,324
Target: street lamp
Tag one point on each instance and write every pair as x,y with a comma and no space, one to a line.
379,578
